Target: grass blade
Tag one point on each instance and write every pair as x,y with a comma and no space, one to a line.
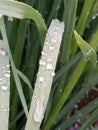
45,75
20,10
17,80
4,88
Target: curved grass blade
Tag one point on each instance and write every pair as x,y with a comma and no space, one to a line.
21,10
25,79
88,52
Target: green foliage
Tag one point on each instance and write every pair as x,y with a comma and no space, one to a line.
23,28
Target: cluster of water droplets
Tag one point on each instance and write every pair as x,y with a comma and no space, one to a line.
4,80
2,52
46,70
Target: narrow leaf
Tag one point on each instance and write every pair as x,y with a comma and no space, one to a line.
25,79
88,52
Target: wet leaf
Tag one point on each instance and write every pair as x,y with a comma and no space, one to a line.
88,52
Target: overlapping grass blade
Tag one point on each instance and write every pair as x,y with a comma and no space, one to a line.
20,10
70,85
17,80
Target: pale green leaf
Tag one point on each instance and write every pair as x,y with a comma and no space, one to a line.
88,52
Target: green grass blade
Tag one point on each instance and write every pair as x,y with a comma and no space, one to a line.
88,52
82,22
79,115
69,87
25,79
84,16
66,67
90,81
20,10
92,119
66,43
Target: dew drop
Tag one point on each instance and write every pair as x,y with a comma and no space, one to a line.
38,114
53,74
94,17
41,62
51,48
49,66
10,18
1,82
2,52
4,88
53,40
7,75
89,51
8,71
5,109
8,65
49,59
41,78
43,53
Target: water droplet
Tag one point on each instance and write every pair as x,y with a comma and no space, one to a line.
51,48
10,18
2,52
8,71
41,62
88,51
5,109
49,66
53,74
7,75
43,53
53,40
8,65
4,88
49,59
94,17
38,114
41,78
